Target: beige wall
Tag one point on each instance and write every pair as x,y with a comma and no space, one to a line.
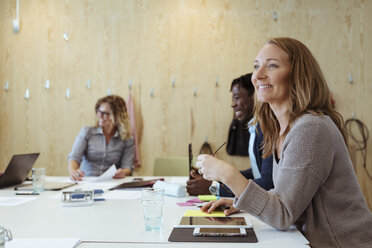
194,41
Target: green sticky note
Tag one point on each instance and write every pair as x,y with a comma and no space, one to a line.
207,198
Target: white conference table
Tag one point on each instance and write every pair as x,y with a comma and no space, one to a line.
117,223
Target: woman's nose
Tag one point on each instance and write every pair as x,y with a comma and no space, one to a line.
260,72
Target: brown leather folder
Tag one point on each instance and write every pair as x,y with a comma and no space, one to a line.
137,184
186,235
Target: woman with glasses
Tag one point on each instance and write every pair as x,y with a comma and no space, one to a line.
109,142
315,185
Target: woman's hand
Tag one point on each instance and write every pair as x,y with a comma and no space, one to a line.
211,206
76,174
121,173
212,168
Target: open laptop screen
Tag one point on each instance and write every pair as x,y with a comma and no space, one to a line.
18,169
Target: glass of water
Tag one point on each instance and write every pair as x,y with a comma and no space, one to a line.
5,235
38,179
152,206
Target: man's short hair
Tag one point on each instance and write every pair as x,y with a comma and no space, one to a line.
245,82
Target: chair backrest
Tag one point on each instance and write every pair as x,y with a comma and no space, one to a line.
171,166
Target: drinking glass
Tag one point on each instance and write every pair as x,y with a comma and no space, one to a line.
152,206
38,179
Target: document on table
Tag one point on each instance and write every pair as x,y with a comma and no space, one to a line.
106,176
122,195
44,243
15,200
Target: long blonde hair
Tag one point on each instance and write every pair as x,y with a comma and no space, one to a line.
309,94
120,114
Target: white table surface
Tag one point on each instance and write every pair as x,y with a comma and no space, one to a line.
116,223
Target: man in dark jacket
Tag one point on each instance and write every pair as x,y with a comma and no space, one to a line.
261,169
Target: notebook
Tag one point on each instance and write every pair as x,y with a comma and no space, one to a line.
17,170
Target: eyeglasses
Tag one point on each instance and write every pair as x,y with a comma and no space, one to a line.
102,113
219,148
190,154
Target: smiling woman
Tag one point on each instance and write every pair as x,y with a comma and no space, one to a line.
289,84
270,77
109,142
315,184
271,80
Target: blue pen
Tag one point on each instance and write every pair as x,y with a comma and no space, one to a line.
99,199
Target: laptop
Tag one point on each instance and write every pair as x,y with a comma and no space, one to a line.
18,169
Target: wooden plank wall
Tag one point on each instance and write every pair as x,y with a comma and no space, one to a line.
150,42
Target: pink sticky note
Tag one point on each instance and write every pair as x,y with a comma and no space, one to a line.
195,200
182,204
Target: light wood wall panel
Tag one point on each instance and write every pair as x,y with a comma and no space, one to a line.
195,41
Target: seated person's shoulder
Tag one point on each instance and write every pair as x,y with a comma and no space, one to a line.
312,123
87,131
310,137
87,128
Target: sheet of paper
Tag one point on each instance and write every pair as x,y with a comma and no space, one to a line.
198,213
131,189
43,243
106,176
122,195
15,200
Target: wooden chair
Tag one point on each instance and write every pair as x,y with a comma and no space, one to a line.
171,166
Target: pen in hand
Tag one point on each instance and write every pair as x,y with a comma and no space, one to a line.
219,208
219,148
